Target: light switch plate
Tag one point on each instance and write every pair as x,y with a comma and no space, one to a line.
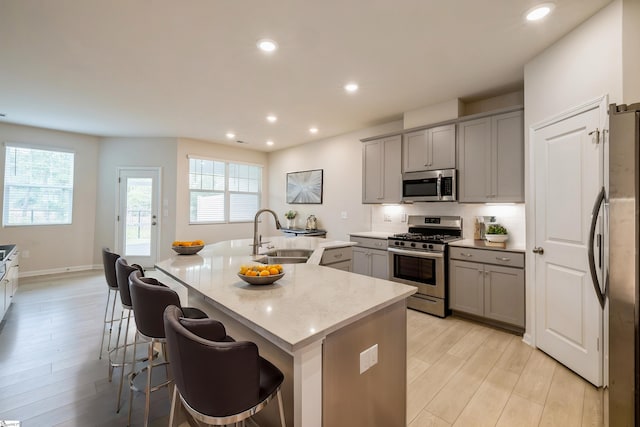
364,361
373,355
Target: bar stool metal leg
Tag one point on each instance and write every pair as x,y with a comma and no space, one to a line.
124,358
135,344
109,321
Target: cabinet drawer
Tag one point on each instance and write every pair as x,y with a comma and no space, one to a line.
342,265
370,242
331,256
510,259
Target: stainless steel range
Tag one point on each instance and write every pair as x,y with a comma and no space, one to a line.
419,258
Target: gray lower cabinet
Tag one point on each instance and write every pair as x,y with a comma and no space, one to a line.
338,258
370,257
491,159
382,170
492,292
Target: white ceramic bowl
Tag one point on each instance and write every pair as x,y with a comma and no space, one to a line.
497,238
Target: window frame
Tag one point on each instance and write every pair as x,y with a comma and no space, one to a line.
227,193
50,148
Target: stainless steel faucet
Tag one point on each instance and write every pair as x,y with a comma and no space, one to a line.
257,240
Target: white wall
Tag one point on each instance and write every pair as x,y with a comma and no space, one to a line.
211,233
631,51
134,152
582,66
341,159
57,248
435,113
494,103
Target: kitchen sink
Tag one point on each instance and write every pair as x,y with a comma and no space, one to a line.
296,253
286,256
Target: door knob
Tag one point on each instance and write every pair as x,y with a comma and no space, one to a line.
538,250
153,223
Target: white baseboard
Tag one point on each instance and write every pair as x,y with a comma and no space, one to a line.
76,268
527,339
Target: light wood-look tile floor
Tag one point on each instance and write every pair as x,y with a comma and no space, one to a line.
459,373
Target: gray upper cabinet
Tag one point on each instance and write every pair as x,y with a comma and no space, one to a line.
491,159
430,149
381,170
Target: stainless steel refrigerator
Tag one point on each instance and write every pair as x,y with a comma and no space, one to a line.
623,408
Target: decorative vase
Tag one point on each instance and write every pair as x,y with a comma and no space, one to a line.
291,222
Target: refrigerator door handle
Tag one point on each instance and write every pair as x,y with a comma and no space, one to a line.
592,264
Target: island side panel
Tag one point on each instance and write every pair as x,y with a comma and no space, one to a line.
269,416
378,396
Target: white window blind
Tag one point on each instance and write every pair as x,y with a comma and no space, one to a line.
223,191
38,186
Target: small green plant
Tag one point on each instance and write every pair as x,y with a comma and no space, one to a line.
290,214
496,229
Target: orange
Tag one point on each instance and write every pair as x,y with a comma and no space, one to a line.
265,273
274,270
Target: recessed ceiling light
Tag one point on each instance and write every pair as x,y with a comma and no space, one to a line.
540,11
271,118
351,87
269,142
231,135
313,130
267,45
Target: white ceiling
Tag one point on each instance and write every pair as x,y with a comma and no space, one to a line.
191,68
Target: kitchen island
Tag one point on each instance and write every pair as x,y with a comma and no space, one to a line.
314,324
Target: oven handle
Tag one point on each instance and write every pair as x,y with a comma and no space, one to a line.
417,254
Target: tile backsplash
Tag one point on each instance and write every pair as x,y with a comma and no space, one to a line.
393,218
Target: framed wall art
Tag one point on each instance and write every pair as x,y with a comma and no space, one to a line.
305,187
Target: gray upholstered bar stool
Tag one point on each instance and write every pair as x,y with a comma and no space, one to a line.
118,356
109,263
150,298
219,383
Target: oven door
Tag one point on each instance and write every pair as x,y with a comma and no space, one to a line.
422,269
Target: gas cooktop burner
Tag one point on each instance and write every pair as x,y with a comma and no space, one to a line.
418,237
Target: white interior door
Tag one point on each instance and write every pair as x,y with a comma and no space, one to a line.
568,171
138,220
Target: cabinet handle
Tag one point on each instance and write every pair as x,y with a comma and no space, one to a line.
503,259
467,255
337,255
486,273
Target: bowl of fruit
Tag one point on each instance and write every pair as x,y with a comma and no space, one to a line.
187,247
261,274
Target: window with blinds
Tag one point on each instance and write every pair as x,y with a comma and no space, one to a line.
223,191
38,186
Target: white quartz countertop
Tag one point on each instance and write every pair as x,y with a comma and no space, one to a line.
481,244
308,303
373,234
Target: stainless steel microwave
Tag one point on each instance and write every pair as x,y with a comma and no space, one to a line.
429,186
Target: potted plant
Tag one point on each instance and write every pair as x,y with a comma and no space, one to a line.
496,233
290,215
